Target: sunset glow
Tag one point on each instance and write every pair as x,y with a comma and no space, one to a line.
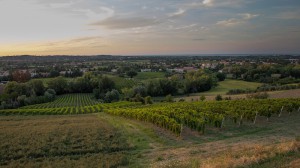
138,27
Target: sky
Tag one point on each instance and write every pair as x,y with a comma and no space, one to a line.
149,27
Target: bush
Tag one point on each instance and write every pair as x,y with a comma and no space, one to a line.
221,76
112,96
148,100
218,98
264,95
202,98
169,98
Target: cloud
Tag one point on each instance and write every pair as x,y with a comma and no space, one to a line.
125,23
101,12
85,39
207,2
245,17
216,3
230,22
178,13
248,16
184,27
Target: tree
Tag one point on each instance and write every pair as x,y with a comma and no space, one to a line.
128,93
21,76
199,81
59,84
14,89
221,76
54,73
168,86
153,88
50,94
106,84
83,85
112,96
140,90
131,73
37,87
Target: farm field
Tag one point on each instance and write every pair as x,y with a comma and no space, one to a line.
295,93
229,84
79,103
103,140
65,141
234,133
67,100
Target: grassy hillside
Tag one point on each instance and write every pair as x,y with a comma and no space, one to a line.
229,84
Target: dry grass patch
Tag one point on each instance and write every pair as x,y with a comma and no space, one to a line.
237,156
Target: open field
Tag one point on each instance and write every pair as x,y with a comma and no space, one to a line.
103,140
295,93
149,75
229,84
65,141
241,133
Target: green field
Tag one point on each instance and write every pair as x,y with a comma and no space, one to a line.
229,84
149,75
79,103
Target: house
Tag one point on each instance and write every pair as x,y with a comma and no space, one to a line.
189,69
146,70
114,70
4,73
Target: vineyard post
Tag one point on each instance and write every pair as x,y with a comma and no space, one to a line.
280,111
241,120
255,118
222,125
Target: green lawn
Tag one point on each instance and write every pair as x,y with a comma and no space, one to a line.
229,84
149,75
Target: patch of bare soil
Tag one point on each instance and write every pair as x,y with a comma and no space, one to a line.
286,94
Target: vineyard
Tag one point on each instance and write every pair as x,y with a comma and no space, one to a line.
200,115
68,100
65,105
171,116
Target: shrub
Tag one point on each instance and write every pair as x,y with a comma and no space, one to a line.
218,98
169,98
